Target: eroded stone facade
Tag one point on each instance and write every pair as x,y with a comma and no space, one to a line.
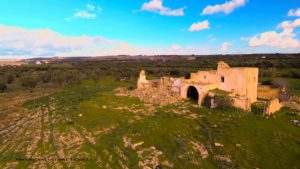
240,82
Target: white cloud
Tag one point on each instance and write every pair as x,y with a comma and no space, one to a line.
211,38
89,12
284,39
90,7
227,7
244,38
84,15
274,39
157,6
224,47
294,12
199,26
289,26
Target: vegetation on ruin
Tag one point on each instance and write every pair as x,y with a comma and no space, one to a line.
220,92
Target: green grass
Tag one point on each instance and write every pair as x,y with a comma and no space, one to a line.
220,92
265,142
294,86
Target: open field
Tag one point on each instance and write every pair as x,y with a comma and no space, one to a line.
67,110
11,62
88,120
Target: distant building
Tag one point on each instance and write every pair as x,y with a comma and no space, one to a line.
38,62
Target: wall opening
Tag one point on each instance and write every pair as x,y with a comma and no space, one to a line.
193,94
222,79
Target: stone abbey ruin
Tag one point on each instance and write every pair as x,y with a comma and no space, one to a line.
239,82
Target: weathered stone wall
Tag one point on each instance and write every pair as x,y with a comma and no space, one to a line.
242,103
205,77
163,91
242,81
272,107
266,92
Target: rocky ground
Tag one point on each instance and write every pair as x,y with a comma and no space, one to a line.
91,126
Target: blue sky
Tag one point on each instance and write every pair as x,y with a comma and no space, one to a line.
102,27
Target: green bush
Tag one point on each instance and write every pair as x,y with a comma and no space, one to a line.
223,102
28,82
3,86
10,78
257,108
46,78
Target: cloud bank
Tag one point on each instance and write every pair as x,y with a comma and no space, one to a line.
42,42
284,39
16,42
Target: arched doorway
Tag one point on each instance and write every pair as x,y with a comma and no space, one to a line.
193,94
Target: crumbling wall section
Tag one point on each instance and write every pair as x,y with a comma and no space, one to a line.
272,106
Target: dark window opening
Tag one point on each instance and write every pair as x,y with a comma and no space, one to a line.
222,79
193,94
204,77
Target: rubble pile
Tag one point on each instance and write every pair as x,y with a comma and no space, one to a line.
154,95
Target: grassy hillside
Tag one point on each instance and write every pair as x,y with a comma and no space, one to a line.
88,120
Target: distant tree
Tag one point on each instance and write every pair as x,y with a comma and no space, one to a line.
28,82
10,78
174,72
58,79
46,78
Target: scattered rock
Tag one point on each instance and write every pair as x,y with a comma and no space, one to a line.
127,142
223,159
238,145
201,149
296,122
219,145
134,146
167,163
193,116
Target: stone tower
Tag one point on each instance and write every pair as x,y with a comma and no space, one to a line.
142,81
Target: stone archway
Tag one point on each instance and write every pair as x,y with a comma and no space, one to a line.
192,94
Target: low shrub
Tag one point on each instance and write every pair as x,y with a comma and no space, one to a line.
3,86
257,108
28,82
223,102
